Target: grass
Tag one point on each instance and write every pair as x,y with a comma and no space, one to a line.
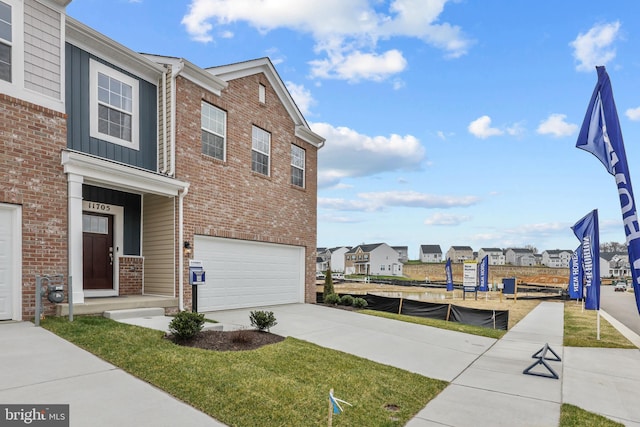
580,329
573,416
442,324
281,384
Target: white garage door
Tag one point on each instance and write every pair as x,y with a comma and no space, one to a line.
8,241
241,273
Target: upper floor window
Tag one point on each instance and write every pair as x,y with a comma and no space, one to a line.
260,150
214,130
297,166
114,106
6,41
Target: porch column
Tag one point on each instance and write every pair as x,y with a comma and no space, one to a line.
75,234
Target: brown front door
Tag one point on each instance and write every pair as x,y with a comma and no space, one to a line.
97,246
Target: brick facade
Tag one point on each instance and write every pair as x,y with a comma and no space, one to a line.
131,273
31,139
225,198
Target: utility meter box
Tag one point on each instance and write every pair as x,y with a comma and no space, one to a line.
55,293
196,273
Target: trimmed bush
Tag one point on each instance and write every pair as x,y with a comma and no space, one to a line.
262,320
186,325
346,300
359,302
332,299
328,284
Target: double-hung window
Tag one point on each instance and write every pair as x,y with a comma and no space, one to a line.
214,129
114,106
297,166
260,150
6,41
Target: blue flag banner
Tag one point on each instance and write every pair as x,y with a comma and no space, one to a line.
586,230
601,136
449,274
483,274
575,274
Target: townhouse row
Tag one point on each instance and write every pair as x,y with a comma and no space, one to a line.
118,170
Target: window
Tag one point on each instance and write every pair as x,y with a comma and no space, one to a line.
297,166
114,106
381,267
262,93
260,151
95,224
214,129
6,41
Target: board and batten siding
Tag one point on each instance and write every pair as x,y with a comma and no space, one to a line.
77,103
158,245
42,49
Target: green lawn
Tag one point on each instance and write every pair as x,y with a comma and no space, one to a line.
284,384
573,416
580,329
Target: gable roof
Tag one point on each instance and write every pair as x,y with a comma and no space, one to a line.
491,250
462,248
365,248
431,249
521,251
264,65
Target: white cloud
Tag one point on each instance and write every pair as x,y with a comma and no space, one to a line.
633,114
595,46
481,128
446,219
556,125
376,201
347,153
346,32
301,96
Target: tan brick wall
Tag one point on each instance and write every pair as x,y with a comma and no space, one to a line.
31,138
131,273
227,199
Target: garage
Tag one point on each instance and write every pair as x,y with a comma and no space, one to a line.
9,257
241,273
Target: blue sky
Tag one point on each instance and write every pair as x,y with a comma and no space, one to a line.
446,122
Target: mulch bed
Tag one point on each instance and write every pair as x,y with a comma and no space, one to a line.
240,340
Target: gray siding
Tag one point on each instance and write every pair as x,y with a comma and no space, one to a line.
77,100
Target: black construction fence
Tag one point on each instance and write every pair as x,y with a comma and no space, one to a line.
494,319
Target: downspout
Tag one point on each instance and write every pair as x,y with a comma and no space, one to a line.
180,242
164,123
174,73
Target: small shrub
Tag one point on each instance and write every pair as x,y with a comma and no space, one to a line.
359,302
328,284
186,325
332,299
346,300
262,320
241,336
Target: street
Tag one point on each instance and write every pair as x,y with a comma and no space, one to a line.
622,306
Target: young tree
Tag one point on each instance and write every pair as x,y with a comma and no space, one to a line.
328,284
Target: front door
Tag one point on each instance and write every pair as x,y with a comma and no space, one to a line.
97,242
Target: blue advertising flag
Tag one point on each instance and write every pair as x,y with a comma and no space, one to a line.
601,135
449,274
484,274
586,230
575,274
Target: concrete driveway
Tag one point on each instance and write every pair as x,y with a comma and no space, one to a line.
432,352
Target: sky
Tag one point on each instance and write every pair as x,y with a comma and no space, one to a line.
447,122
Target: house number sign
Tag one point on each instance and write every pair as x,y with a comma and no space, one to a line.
96,207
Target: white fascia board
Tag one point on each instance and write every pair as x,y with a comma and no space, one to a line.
100,171
105,48
191,72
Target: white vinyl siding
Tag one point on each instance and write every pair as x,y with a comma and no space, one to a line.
158,245
42,45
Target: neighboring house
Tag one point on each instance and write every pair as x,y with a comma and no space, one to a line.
250,159
459,253
337,258
33,132
614,264
323,258
556,258
118,169
520,257
373,259
430,253
403,253
496,256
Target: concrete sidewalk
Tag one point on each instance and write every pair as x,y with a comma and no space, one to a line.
38,367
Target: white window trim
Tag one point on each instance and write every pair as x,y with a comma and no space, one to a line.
262,152
224,135
96,67
303,168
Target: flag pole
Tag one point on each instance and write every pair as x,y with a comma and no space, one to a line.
598,325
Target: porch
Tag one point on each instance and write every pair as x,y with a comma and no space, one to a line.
100,305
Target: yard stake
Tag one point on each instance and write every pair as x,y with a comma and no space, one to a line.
400,307
448,311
